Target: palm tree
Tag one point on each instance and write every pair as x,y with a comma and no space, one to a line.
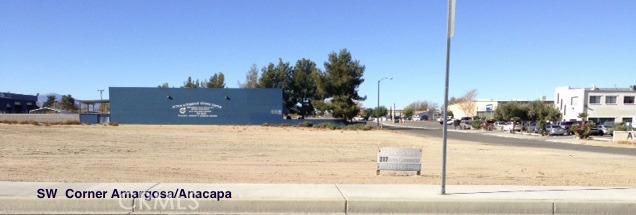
583,116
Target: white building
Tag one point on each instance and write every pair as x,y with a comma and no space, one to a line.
600,104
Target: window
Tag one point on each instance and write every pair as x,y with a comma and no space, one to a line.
595,99
628,100
610,99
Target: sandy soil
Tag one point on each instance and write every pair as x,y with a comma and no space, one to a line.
255,154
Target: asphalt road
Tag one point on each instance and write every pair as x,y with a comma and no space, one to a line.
514,142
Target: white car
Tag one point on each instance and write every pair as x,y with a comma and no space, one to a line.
512,127
448,122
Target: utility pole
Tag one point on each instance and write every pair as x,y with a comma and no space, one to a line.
393,114
451,33
100,94
378,106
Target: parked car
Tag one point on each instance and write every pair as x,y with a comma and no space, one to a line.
355,118
556,130
448,122
567,125
533,128
512,126
499,125
423,117
466,122
596,130
607,128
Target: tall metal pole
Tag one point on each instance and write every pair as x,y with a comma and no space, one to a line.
378,106
100,94
451,20
377,118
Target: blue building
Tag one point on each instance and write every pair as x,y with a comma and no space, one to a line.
17,103
145,105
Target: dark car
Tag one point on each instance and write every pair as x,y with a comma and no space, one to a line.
532,128
567,125
606,128
602,129
555,130
466,122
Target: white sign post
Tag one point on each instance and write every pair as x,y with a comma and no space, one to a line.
400,159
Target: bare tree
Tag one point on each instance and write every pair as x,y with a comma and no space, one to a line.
422,105
251,78
467,102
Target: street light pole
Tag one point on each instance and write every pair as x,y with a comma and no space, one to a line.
378,106
100,94
451,33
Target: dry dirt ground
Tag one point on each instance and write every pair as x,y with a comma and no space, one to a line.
256,154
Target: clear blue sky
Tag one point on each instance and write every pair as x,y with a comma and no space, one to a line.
504,49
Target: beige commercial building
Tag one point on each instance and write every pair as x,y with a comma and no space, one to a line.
482,108
600,104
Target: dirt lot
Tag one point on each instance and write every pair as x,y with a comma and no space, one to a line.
255,154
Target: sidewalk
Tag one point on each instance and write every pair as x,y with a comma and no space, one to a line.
21,197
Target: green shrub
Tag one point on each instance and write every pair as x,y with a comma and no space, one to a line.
620,127
306,124
358,127
476,124
328,125
583,132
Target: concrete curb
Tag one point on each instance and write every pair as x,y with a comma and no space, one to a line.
408,126
436,206
19,198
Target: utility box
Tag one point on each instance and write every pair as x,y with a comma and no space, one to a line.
94,118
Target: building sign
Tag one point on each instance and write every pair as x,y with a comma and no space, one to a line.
276,112
624,136
197,110
489,108
399,159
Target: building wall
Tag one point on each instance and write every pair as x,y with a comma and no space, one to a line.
134,105
573,101
618,111
484,109
458,111
570,102
17,103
